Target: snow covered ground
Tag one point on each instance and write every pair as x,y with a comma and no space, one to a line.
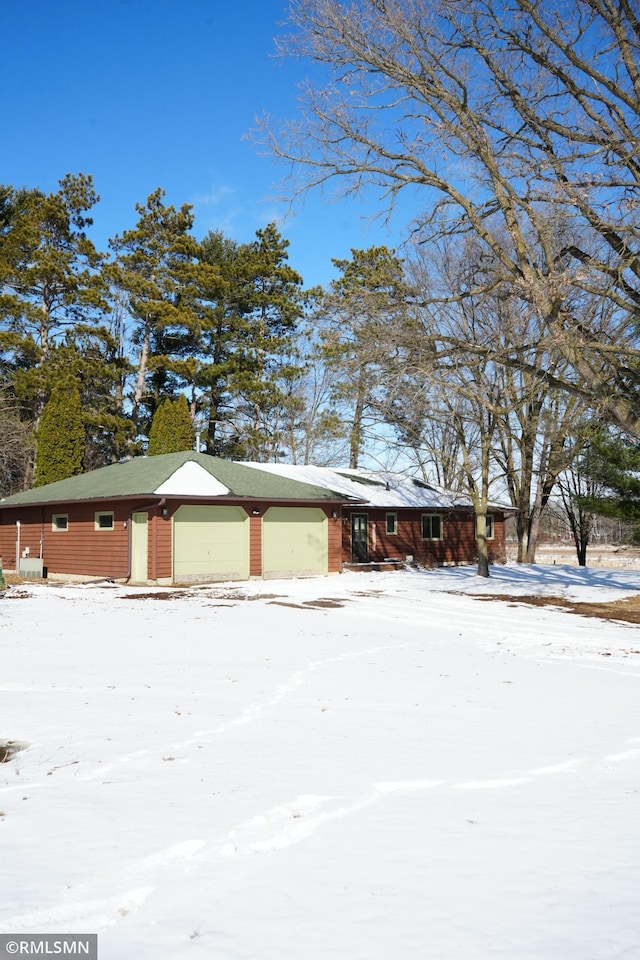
366,767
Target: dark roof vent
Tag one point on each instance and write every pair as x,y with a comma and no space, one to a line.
366,481
422,484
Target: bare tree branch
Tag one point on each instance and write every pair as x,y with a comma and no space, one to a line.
514,125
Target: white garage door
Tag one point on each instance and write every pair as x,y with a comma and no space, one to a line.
294,542
210,543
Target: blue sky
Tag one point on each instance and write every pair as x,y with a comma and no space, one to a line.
162,93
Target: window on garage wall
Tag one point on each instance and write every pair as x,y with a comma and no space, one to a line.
104,520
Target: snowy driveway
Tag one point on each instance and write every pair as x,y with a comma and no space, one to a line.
365,767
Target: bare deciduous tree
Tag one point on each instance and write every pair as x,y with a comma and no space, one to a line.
458,393
16,449
574,488
471,317
505,118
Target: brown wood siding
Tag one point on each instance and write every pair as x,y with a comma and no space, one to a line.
498,546
255,543
163,546
81,549
8,540
345,534
30,533
334,535
159,544
458,544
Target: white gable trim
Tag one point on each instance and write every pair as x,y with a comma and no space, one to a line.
192,480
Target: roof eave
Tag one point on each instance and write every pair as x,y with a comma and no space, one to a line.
98,499
173,497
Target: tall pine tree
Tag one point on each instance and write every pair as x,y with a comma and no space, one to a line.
172,428
250,312
61,437
370,298
154,272
50,276
612,463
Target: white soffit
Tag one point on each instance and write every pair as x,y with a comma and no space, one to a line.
192,480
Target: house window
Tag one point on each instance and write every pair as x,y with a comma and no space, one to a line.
489,527
60,521
104,521
431,526
392,522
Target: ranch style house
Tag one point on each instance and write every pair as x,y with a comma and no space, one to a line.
188,517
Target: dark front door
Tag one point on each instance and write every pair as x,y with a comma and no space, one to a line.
360,537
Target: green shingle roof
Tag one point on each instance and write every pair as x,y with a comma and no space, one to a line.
142,476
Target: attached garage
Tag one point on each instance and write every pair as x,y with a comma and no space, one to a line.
210,543
176,518
294,542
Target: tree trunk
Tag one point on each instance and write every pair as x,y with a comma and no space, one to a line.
483,545
355,437
523,519
211,436
534,522
142,373
534,531
581,530
521,533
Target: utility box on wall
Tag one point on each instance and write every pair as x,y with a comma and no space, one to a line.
31,567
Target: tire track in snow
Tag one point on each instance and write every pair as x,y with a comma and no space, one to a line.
92,912
295,820
255,710
492,634
268,832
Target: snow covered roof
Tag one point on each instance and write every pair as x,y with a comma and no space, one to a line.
375,488
190,474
